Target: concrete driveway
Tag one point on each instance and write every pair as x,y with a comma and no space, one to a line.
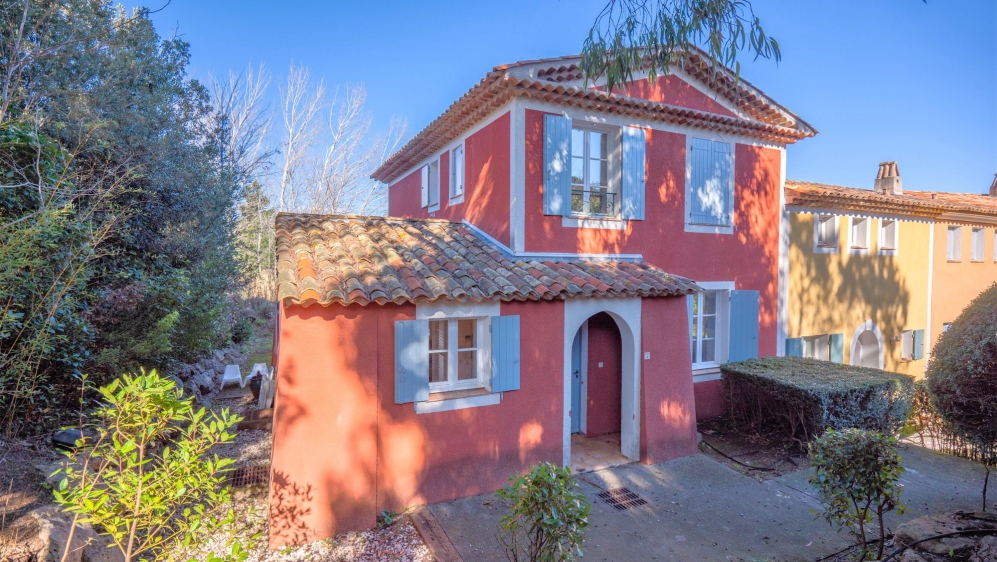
698,509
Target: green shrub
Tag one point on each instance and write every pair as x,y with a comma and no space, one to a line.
856,473
962,375
803,397
148,481
548,516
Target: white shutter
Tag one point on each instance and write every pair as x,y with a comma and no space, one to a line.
424,174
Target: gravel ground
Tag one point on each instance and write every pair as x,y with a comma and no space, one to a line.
251,447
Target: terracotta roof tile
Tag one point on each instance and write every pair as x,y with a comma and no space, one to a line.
383,259
929,204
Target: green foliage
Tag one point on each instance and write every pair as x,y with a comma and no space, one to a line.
548,516
856,474
148,481
386,519
802,397
962,375
630,36
235,554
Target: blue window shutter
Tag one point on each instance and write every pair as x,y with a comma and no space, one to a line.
918,345
710,190
557,165
743,325
411,361
505,353
837,348
633,173
794,347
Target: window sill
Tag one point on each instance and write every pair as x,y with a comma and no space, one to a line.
447,401
709,229
826,249
602,223
457,199
706,374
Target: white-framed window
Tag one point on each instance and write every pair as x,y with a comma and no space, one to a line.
888,236
826,234
817,347
709,325
709,190
456,354
457,173
430,179
907,345
978,250
594,191
954,241
946,326
858,234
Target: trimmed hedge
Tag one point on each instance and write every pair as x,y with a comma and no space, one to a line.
804,397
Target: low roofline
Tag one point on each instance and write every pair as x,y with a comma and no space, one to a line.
923,204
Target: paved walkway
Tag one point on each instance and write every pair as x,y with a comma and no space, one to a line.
698,509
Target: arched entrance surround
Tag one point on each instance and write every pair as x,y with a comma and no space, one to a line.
627,315
868,348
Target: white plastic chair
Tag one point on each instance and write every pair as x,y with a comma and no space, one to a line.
258,368
232,374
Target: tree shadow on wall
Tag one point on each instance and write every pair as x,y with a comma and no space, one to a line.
287,516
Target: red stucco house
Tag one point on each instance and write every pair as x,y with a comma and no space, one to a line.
559,263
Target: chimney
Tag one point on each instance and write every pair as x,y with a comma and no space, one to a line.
888,179
993,187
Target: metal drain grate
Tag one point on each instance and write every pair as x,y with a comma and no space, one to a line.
249,475
622,498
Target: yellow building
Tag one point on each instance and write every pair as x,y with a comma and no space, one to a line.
873,274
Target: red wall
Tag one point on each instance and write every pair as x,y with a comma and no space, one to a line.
749,257
486,184
709,399
605,384
674,91
668,416
343,450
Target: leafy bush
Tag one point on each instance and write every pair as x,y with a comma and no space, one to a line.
548,516
962,375
148,481
856,473
803,397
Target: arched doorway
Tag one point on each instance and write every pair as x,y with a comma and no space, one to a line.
867,346
601,427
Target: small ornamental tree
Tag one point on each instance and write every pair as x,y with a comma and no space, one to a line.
548,516
962,378
856,473
146,478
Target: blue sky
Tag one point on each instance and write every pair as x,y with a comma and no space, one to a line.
880,79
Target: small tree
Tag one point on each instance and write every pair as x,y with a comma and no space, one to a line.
548,516
856,473
962,378
147,480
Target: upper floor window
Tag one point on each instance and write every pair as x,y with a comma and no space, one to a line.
710,184
591,193
457,172
954,248
431,185
888,235
859,234
826,233
978,245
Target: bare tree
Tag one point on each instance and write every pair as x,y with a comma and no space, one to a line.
341,181
301,101
241,120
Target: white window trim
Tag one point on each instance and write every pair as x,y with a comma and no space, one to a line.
457,198
723,324
434,172
482,351
896,238
614,136
851,229
594,223
980,257
907,345
458,403
483,312
958,256
818,249
813,341
705,228
853,349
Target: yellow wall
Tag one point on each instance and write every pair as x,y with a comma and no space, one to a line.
835,293
955,284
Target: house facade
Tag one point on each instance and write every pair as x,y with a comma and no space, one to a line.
559,263
874,274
